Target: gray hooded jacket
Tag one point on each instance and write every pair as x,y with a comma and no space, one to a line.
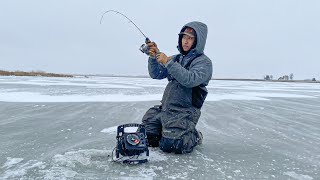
182,79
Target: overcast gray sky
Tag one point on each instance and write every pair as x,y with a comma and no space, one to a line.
246,39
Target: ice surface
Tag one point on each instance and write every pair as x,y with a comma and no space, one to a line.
37,97
135,90
110,130
11,162
298,176
65,128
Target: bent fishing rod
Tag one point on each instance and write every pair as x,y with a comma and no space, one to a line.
143,48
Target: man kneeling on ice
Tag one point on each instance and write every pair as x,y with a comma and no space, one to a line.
172,125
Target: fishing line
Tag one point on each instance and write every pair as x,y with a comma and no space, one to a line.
130,21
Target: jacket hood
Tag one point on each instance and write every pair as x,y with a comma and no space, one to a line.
201,30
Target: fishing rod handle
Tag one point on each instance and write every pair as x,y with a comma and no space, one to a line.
147,40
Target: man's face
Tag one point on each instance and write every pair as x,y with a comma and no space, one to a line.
187,42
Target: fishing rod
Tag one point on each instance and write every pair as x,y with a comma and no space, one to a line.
144,47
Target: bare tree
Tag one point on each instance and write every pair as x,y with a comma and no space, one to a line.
267,77
291,76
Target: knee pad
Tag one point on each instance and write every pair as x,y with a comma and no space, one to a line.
171,145
153,140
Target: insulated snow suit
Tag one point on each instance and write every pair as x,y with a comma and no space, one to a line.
171,125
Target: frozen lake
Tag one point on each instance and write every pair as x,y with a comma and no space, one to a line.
65,128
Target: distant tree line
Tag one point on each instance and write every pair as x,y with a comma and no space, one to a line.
32,73
283,78
268,77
